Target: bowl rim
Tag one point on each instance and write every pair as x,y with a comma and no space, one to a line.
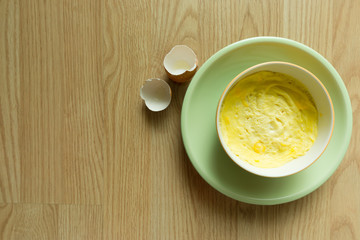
236,79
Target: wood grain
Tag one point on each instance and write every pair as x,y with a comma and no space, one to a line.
50,221
61,124
9,102
82,158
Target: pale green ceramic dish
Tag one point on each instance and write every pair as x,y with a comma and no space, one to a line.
198,124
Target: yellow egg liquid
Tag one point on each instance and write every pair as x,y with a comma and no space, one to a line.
268,119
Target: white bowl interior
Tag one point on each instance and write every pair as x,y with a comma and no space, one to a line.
325,119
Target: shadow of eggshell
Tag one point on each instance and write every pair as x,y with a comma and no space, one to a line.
180,63
156,93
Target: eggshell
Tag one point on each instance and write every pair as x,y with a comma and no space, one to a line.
180,63
156,93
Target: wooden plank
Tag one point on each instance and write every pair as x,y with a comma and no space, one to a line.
50,221
61,122
9,102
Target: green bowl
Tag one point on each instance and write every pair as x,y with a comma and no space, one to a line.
198,121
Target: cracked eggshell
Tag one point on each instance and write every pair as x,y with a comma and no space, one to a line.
156,93
180,63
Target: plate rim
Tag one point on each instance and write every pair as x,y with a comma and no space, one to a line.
243,43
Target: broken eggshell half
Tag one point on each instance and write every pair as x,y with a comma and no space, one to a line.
156,93
180,63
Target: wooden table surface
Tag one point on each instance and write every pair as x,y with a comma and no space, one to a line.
82,158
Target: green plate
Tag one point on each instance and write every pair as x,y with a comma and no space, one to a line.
199,131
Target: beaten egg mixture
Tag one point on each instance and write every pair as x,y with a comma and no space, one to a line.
268,119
